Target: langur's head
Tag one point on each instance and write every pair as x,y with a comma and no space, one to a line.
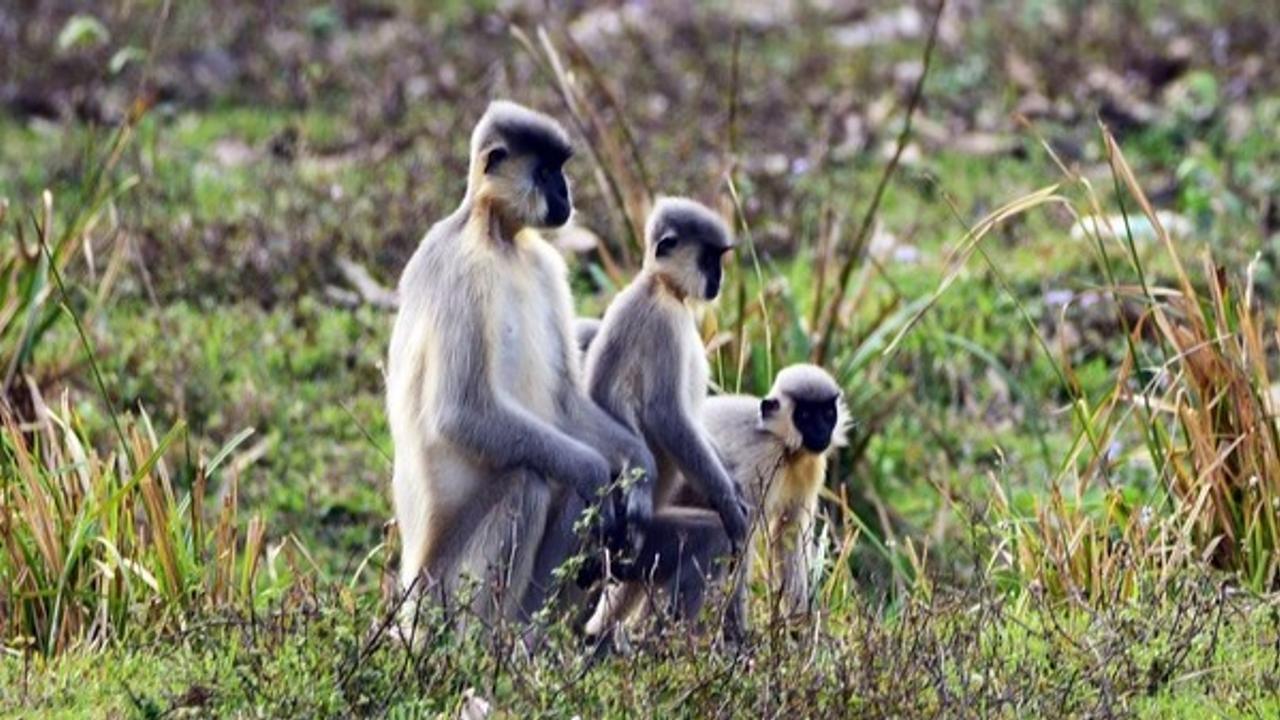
805,409
685,244
517,166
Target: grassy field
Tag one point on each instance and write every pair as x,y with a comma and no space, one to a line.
1047,287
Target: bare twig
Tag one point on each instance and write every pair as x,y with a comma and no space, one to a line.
548,61
370,289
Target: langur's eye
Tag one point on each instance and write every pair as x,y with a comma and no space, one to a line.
494,159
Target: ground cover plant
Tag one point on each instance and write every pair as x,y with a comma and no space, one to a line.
1035,241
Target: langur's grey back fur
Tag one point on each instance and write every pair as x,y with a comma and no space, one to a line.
584,331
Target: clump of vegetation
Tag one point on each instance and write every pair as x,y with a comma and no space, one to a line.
1196,384
992,654
96,544
99,546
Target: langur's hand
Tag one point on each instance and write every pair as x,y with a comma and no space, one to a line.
733,514
590,478
611,523
639,514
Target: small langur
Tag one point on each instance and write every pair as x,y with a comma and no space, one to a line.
647,367
777,449
497,447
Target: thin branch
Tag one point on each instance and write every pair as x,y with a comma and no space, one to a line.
868,219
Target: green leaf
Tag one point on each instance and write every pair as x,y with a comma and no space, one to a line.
227,449
323,21
124,56
82,31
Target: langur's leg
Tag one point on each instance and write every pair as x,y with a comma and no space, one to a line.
792,553
450,513
501,551
616,603
559,543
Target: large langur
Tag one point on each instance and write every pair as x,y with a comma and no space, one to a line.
497,447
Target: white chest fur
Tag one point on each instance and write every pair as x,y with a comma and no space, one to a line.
696,367
528,345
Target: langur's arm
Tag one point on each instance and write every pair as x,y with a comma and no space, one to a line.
599,430
589,421
670,425
479,420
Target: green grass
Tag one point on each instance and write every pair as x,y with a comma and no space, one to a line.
1159,659
291,375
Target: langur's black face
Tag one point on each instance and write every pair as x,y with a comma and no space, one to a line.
710,263
696,265
688,243
526,171
815,420
548,177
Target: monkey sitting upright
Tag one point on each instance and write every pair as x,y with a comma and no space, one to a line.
647,367
496,445
776,448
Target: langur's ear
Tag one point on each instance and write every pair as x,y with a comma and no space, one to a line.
493,157
666,245
768,407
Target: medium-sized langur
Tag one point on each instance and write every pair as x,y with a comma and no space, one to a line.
776,447
497,446
647,367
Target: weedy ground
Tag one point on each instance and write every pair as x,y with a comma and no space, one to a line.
1051,304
